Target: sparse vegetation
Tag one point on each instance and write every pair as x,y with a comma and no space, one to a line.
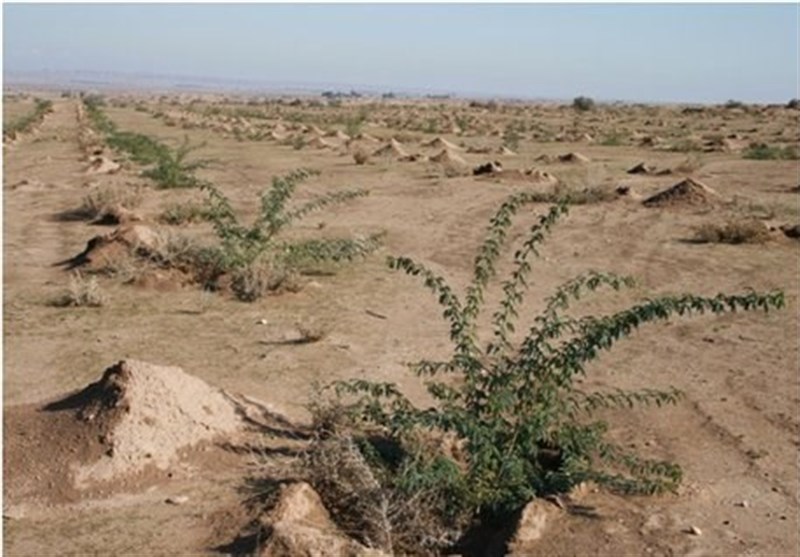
101,200
734,104
512,136
511,421
691,163
170,169
184,213
764,152
254,255
82,292
583,104
613,139
24,124
732,232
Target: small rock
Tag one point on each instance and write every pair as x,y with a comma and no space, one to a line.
744,504
695,531
262,322
177,500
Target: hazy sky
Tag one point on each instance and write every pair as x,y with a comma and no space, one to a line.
648,52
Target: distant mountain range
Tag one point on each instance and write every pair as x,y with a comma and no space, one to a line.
121,81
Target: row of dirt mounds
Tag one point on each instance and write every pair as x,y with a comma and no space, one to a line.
131,423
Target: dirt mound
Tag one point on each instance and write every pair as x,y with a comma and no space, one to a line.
319,143
491,167
300,525
149,413
689,192
539,176
393,149
649,170
505,151
574,157
102,165
136,417
642,168
445,156
339,134
116,214
527,176
105,251
791,231
441,143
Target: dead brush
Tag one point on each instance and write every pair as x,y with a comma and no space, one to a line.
99,201
690,164
389,509
361,157
184,213
732,232
575,196
261,278
82,292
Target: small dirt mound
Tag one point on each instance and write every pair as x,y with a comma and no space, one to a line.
105,251
102,165
791,231
277,136
642,168
445,156
689,192
506,152
441,143
492,167
393,149
339,134
116,214
574,157
319,143
300,525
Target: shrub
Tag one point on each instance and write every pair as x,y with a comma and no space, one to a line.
172,170
182,213
141,148
583,104
764,152
793,103
511,136
733,232
510,421
691,163
734,104
361,157
100,200
613,139
685,146
242,247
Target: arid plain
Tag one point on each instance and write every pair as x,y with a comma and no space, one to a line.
72,311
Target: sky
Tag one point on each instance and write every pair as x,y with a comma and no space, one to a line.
634,52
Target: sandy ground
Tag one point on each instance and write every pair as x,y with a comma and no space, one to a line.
735,434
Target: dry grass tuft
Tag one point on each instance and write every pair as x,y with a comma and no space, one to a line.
732,232
361,157
82,292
